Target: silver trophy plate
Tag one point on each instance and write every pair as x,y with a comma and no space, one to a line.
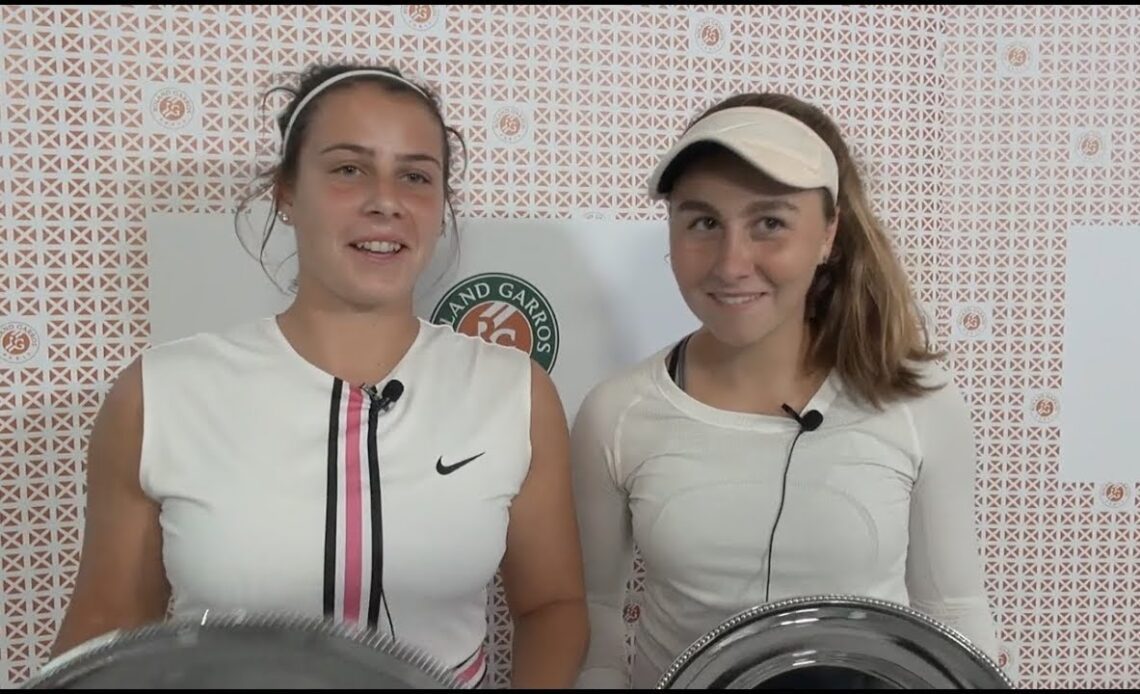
833,642
236,651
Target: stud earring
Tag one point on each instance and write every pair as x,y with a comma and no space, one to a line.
284,217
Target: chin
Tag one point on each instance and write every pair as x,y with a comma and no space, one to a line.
371,298
737,334
379,290
735,338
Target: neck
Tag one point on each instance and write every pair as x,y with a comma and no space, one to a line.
360,347
759,377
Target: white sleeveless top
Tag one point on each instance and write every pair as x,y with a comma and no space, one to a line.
285,489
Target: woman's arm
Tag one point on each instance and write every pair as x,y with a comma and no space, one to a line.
542,568
944,572
121,582
607,535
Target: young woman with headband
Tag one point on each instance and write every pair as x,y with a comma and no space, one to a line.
345,458
802,441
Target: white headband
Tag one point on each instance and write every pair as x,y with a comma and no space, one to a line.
333,80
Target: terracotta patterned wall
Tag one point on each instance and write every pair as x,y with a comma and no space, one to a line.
986,131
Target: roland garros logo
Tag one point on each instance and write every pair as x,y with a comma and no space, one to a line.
972,320
18,342
1017,56
420,17
509,124
172,107
1114,494
1090,146
1003,657
1044,407
710,35
503,310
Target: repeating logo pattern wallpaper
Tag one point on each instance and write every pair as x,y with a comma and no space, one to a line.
985,131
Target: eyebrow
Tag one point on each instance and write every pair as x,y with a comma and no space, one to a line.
770,205
695,206
755,208
368,151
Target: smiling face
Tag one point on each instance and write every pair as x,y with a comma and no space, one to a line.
744,248
367,200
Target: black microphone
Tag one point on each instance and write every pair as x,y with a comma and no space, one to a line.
387,397
810,421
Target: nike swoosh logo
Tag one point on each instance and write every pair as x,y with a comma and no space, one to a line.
448,469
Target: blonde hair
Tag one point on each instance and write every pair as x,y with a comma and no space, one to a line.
862,317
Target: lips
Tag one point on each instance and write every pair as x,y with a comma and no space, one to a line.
736,298
379,247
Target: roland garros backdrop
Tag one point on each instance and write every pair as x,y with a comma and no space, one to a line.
1000,145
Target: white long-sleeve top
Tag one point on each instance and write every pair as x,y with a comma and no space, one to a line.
879,503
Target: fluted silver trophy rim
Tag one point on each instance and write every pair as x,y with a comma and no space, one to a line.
395,659
699,666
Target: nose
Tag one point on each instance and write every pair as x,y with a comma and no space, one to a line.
734,257
384,197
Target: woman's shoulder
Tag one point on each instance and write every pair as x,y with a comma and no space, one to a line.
615,393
